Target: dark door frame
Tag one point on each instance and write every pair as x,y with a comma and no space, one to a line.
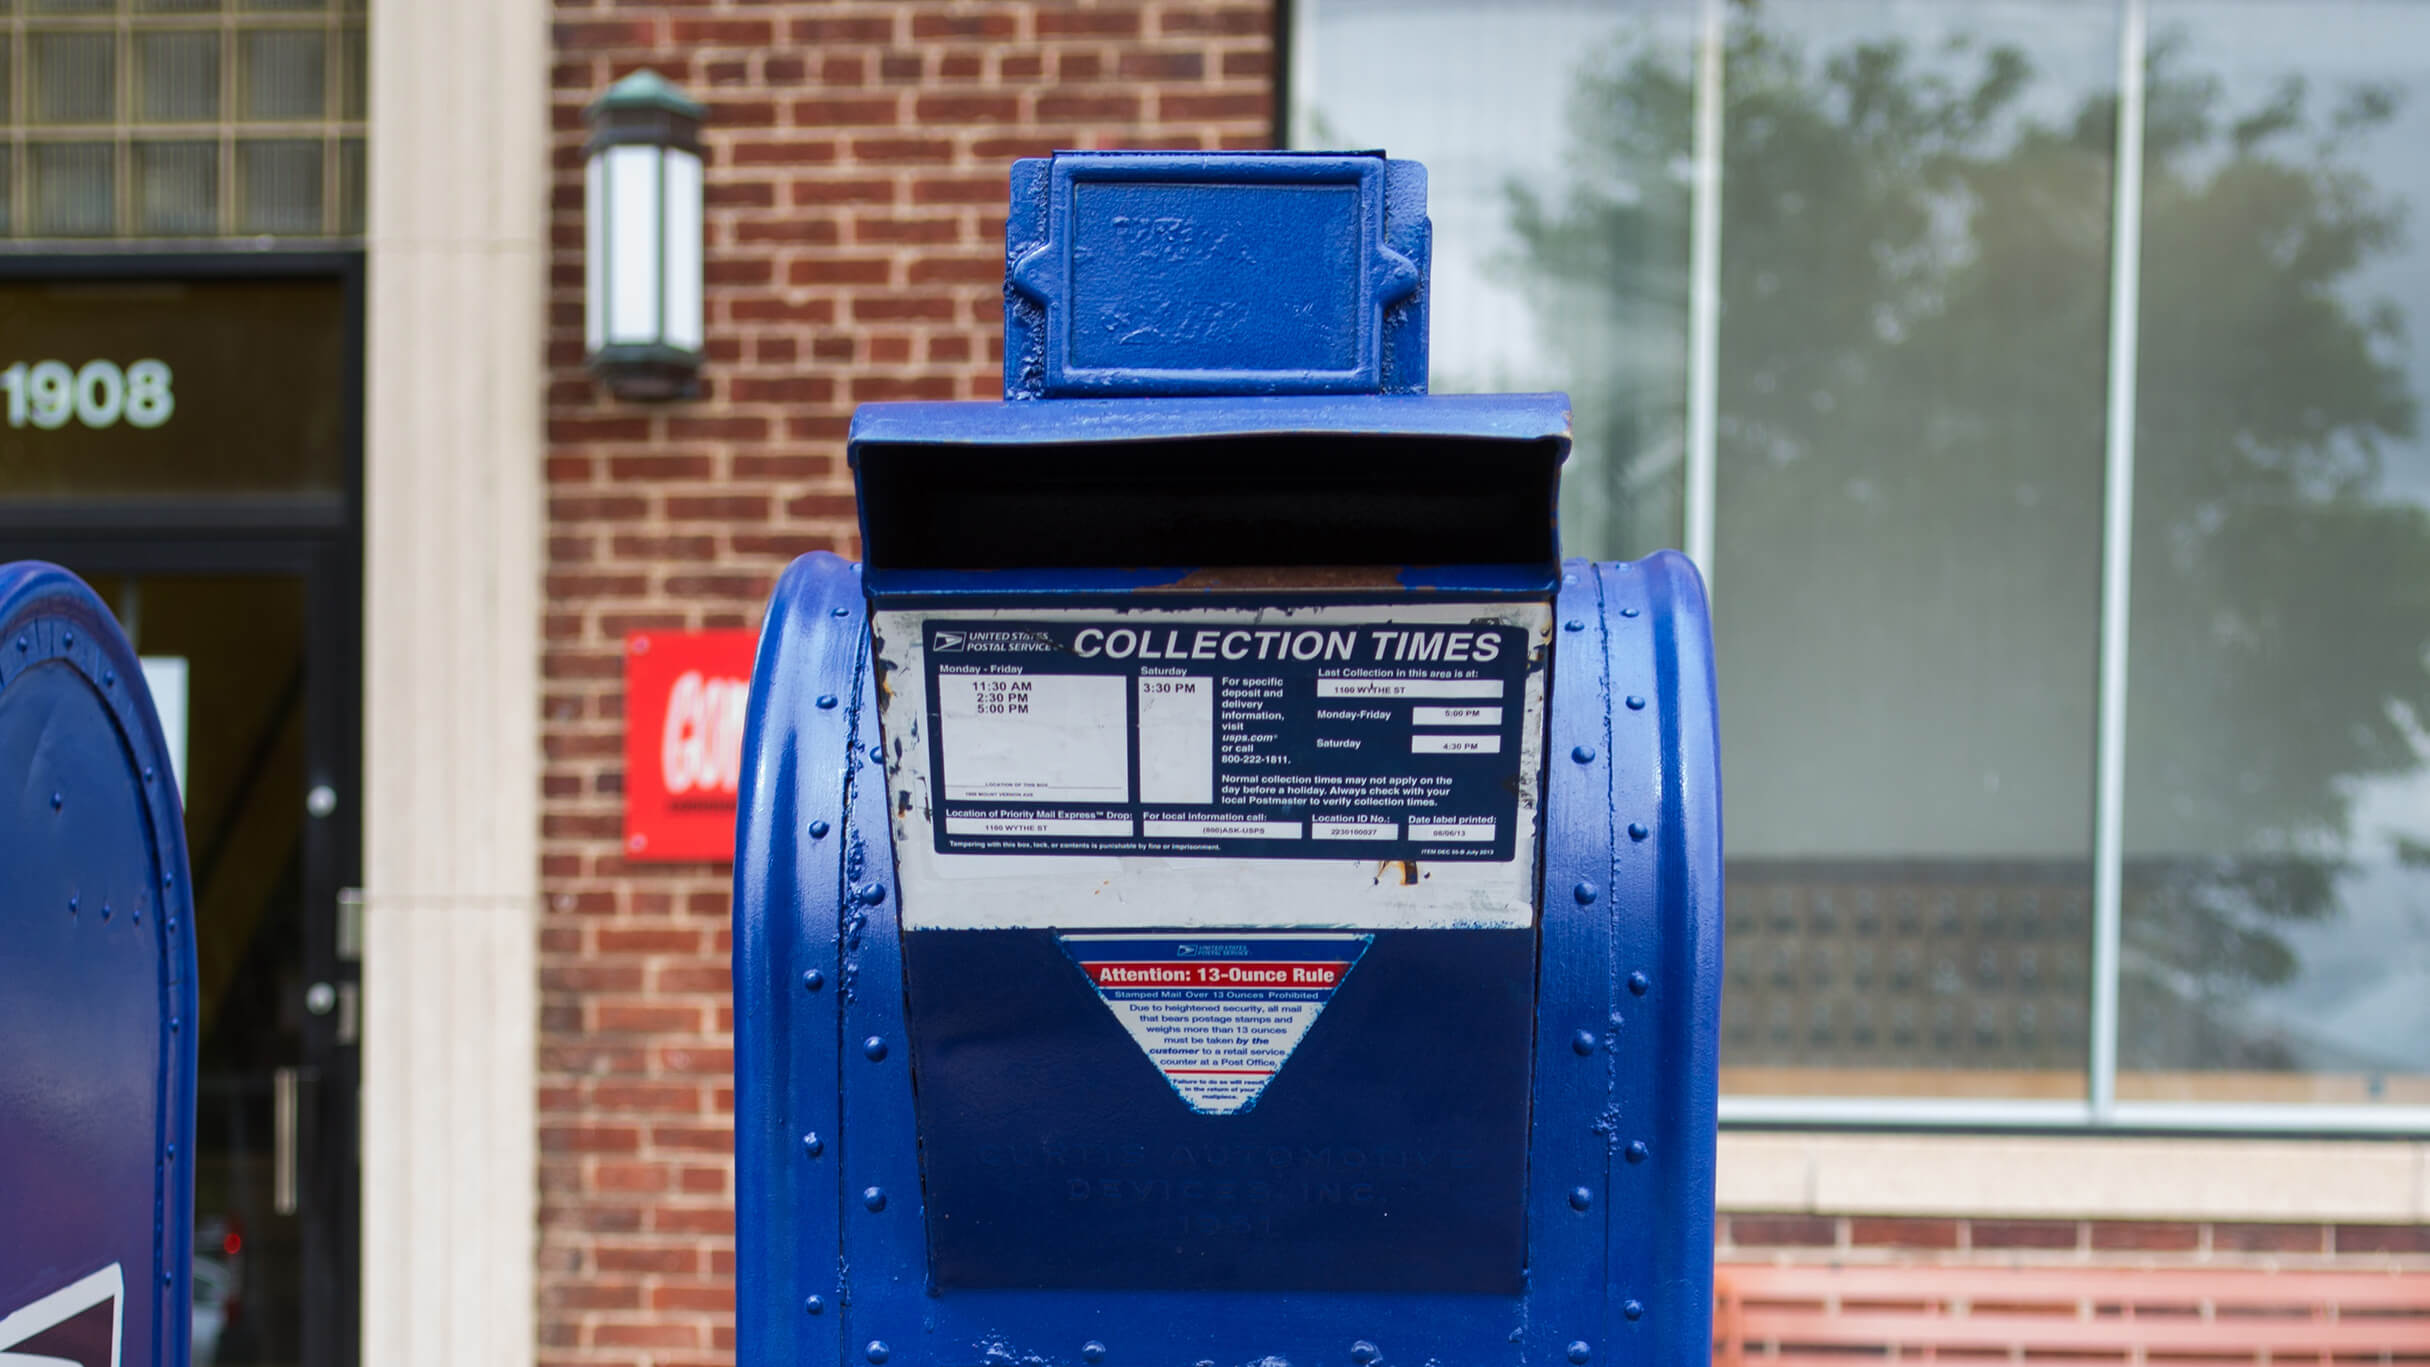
320,539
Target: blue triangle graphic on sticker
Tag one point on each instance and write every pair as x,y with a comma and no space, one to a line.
1218,1014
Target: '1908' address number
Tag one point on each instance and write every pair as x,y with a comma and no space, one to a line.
51,394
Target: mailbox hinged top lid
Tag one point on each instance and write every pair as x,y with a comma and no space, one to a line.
1152,273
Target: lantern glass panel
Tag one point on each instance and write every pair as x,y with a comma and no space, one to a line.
594,254
635,255
683,212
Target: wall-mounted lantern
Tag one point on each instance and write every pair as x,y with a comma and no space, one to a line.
641,217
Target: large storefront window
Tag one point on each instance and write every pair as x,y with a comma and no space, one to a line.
1905,461
181,118
2277,815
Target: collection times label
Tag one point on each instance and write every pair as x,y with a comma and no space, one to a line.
1375,739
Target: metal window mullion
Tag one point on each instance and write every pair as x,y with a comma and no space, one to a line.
20,178
2117,537
1704,292
333,72
123,62
226,132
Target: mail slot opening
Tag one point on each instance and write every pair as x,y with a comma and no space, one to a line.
1232,500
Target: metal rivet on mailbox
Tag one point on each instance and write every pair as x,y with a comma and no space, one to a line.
874,1198
70,638
1638,983
874,1047
815,1305
873,893
1628,612
1584,754
826,700
1580,1198
109,678
843,612
813,980
1092,1351
877,1351
1363,1351
1583,1041
813,1145
819,829
1632,1309
1637,830
877,754
1635,703
1585,891
1637,1151
1573,624
58,800
1579,1352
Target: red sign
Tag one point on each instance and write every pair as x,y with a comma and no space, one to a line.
683,731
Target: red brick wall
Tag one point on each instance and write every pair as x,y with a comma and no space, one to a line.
1752,1237
856,171
1795,1288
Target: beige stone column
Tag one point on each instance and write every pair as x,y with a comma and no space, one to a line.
452,548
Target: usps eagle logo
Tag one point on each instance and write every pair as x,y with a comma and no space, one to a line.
75,1326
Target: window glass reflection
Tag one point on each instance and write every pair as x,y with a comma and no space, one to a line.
284,74
178,76
1555,135
177,188
279,186
2277,883
71,189
1914,238
71,77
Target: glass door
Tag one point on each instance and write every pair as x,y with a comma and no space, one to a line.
252,671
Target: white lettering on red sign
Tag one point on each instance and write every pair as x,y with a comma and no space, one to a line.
701,749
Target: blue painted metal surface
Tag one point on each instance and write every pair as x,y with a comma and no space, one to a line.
96,992
1388,1154
1483,417
833,1250
948,1152
1158,273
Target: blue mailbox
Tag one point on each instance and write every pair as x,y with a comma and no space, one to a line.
96,994
1213,887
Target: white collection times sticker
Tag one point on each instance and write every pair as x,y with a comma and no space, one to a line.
1340,767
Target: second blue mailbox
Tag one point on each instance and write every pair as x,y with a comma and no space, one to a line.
1214,887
